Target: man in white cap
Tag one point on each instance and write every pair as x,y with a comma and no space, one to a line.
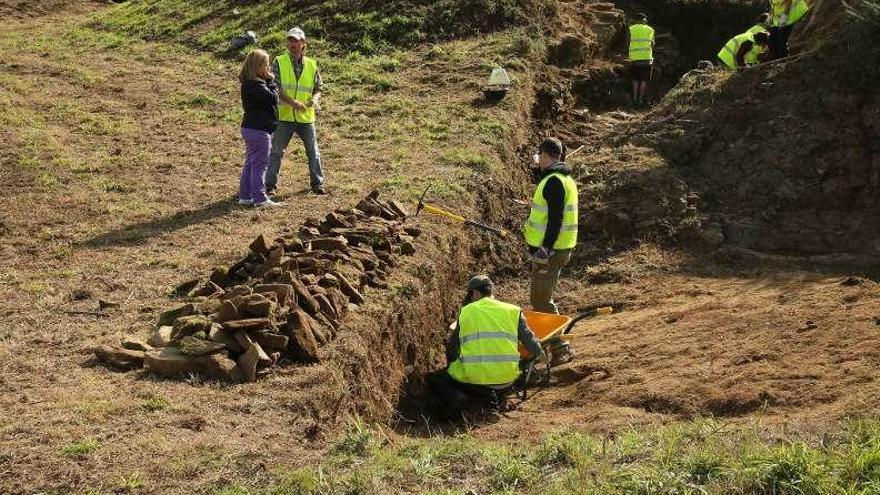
300,84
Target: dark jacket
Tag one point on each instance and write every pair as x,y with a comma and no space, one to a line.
554,194
259,99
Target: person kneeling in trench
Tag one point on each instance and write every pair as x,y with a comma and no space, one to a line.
483,351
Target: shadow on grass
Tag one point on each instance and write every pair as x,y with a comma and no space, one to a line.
138,232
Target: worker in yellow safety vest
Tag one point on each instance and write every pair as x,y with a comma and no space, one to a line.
783,16
551,230
300,93
483,350
762,24
640,40
744,49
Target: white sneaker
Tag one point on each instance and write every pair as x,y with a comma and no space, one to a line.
269,204
245,201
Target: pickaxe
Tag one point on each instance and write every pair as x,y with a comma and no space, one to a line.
452,216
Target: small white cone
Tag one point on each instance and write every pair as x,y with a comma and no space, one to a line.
499,77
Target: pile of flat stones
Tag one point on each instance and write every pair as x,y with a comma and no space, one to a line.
280,303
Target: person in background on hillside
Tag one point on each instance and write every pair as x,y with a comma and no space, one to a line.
482,352
744,49
640,39
259,99
762,24
300,83
783,15
552,227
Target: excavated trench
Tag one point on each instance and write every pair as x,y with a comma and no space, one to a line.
587,56
583,77
626,200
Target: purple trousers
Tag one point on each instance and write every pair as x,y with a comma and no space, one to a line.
252,184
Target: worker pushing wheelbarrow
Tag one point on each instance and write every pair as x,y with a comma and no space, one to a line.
497,350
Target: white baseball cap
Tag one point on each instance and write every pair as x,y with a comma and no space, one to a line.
296,33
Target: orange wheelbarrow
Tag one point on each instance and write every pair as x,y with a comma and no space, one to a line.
551,330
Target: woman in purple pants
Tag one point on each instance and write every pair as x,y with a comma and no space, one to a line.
259,98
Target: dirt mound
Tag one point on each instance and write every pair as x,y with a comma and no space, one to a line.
781,158
795,347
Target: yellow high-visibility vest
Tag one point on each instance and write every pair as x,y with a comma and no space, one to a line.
752,56
641,42
758,28
536,225
798,9
300,89
488,343
728,53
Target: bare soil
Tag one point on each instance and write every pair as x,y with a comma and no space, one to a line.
768,344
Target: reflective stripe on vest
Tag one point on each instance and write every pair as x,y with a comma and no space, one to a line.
758,28
536,225
728,53
300,89
641,42
488,343
798,9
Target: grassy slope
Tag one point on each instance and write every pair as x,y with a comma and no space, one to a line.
119,168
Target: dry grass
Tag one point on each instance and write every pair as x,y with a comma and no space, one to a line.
119,168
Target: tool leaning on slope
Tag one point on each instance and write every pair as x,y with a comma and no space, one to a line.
454,217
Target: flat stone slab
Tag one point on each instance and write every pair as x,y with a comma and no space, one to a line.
119,358
247,324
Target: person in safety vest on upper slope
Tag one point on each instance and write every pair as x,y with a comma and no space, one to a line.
552,227
300,84
483,351
762,25
744,49
641,56
783,16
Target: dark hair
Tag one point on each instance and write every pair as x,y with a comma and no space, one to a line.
553,147
481,283
762,38
764,18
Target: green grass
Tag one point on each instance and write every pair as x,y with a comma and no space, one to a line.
698,457
368,28
469,159
155,403
83,447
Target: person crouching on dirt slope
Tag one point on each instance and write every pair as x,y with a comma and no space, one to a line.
259,99
552,227
783,15
640,40
762,25
482,352
744,49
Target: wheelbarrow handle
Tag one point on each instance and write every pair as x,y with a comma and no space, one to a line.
604,310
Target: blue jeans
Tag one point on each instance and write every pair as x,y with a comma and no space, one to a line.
284,131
